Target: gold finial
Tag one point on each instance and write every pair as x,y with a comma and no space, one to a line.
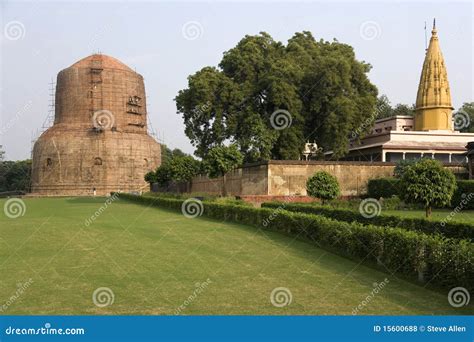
434,31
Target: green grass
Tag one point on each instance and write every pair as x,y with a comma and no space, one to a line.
465,216
152,260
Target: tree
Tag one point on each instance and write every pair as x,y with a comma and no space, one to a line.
402,165
15,175
385,109
426,182
323,185
269,98
220,160
464,118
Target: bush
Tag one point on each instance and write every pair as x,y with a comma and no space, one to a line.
442,261
463,197
447,229
323,185
383,187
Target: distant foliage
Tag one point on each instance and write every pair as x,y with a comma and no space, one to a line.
426,182
15,175
323,185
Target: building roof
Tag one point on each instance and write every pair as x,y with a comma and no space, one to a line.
100,61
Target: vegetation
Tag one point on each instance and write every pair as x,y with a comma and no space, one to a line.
307,89
15,175
428,183
451,229
134,250
176,166
385,109
466,123
438,260
323,185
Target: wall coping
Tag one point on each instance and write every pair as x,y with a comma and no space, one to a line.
328,162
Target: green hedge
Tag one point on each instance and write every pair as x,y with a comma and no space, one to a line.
382,187
463,197
388,187
448,229
443,261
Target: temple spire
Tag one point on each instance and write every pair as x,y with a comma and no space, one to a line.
433,101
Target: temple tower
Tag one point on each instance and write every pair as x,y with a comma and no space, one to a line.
433,101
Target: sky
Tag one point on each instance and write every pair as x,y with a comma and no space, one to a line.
167,41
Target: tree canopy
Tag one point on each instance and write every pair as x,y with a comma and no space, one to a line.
428,183
222,159
269,98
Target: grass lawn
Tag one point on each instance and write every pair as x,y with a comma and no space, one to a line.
465,216
152,260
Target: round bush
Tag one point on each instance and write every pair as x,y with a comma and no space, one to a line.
323,185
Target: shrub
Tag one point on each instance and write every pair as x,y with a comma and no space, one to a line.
323,185
442,261
427,182
383,187
463,197
447,229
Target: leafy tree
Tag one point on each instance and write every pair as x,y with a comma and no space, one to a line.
428,183
323,185
319,86
385,109
466,123
15,175
184,168
168,154
402,166
220,160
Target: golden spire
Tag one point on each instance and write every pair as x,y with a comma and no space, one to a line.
433,101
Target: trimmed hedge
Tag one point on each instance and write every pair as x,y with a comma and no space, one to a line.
388,187
443,261
448,229
464,195
383,187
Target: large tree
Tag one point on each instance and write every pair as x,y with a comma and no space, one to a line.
269,98
464,118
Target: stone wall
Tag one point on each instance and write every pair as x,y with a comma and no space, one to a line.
287,177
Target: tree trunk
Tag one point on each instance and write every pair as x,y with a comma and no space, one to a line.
428,211
224,190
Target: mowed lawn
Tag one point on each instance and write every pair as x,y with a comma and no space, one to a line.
465,216
153,260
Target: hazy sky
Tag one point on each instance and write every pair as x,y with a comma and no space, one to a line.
167,41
